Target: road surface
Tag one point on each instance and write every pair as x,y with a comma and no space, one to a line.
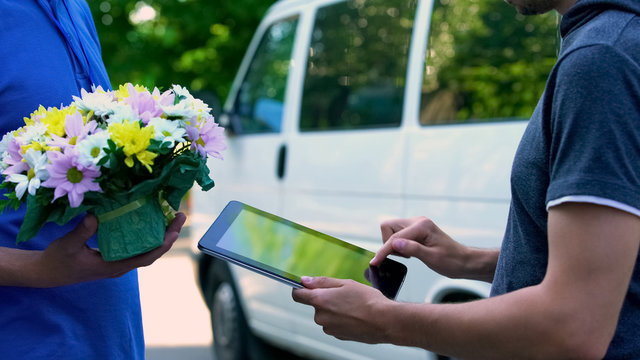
175,319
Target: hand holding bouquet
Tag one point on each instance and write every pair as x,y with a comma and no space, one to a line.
118,154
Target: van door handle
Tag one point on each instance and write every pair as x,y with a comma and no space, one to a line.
282,159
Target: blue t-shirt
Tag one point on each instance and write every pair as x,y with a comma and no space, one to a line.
582,140
49,51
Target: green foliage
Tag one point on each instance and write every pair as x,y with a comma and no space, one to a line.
115,158
195,43
11,200
160,147
485,61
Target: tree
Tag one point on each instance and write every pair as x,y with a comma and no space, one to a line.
195,43
485,61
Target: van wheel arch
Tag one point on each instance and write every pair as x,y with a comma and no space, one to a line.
458,296
453,297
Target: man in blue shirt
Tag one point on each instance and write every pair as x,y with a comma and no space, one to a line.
58,298
566,282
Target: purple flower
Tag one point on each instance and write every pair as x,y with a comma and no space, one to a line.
166,98
68,177
208,138
75,130
148,105
14,159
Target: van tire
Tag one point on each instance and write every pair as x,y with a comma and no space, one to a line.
232,338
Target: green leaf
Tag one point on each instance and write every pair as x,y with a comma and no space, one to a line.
9,203
154,145
11,200
34,219
111,146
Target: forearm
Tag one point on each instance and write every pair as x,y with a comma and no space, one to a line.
479,264
526,324
19,268
573,313
68,260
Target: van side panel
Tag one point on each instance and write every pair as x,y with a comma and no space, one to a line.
459,177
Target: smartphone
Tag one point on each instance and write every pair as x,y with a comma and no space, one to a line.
285,251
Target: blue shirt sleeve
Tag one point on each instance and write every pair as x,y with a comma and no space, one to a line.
595,127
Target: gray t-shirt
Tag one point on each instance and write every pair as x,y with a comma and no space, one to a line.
582,140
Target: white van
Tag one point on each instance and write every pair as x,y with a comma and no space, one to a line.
344,114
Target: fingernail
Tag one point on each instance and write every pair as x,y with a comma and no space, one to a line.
305,279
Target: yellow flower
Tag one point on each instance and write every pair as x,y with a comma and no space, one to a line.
55,119
39,146
123,90
145,158
134,141
31,119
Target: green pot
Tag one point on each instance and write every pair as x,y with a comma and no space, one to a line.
129,228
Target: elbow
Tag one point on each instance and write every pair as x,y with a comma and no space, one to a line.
581,342
584,351
573,330
569,348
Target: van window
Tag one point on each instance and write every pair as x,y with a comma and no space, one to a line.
357,65
485,62
259,103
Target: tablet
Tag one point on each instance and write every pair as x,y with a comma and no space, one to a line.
285,251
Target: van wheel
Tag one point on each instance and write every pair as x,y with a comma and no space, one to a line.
228,333
232,339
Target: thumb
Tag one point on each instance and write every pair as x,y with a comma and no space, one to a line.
321,282
83,231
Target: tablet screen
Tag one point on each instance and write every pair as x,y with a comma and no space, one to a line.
286,251
292,249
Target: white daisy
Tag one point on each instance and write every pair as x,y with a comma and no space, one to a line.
120,112
181,91
181,110
97,101
3,161
4,143
197,105
33,133
37,173
200,107
91,149
167,130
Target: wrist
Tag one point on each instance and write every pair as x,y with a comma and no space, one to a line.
480,264
20,267
389,321
405,323
39,275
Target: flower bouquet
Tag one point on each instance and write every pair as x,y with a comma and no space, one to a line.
127,156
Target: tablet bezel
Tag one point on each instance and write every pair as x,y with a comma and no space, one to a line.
209,245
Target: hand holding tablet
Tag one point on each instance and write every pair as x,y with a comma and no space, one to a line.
286,251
